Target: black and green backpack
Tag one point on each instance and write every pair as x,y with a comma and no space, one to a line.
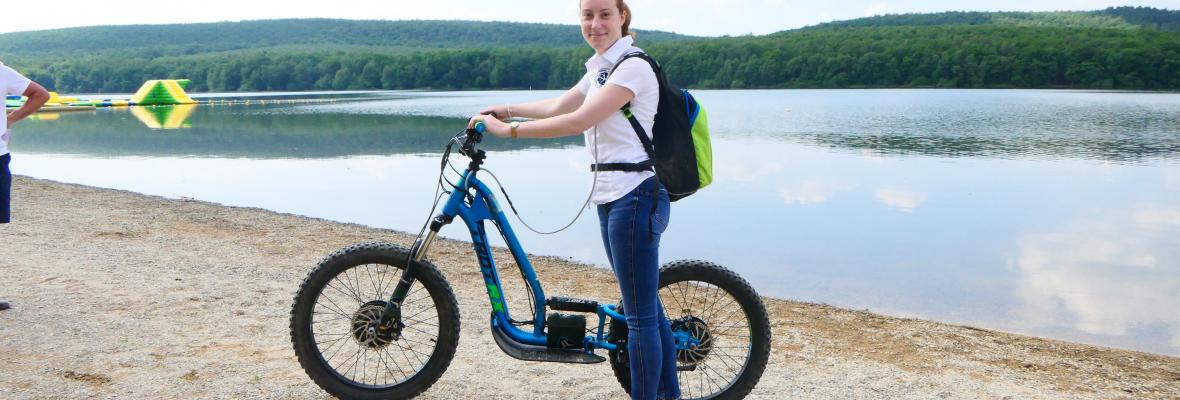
679,148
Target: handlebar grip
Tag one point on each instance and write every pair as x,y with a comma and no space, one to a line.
480,127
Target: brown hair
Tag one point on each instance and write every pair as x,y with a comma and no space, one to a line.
622,5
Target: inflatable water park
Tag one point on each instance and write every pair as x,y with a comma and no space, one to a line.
158,92
160,103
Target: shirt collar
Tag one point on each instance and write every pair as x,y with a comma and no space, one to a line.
622,47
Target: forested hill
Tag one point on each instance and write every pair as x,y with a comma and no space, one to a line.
1110,18
1118,48
1115,48
292,35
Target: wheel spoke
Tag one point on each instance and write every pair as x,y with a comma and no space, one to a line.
713,377
389,357
343,341
724,359
334,307
711,320
337,316
355,279
372,283
345,294
347,283
419,330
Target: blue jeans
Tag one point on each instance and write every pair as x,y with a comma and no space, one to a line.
631,233
5,189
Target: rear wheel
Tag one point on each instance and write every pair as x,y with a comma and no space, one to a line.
726,321
337,333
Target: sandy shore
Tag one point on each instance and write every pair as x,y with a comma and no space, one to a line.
120,295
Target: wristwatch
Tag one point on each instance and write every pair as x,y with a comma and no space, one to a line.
513,126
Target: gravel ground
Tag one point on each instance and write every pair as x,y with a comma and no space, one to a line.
121,295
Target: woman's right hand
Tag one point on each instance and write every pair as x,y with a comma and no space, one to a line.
491,125
499,112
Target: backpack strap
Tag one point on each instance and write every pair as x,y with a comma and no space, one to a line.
625,167
647,144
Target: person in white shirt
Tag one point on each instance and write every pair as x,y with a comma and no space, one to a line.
633,207
13,83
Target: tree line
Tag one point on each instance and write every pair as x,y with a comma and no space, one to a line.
984,56
1110,18
1116,48
103,43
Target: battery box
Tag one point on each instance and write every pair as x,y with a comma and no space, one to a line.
565,331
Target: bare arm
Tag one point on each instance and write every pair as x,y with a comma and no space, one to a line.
37,97
566,103
607,101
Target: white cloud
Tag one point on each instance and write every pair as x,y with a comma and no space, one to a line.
899,199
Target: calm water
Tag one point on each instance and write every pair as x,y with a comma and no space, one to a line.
1049,213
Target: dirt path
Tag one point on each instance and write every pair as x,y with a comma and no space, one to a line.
120,295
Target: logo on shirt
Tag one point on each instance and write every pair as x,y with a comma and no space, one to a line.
602,75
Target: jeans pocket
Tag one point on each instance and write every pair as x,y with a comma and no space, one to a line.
660,218
659,225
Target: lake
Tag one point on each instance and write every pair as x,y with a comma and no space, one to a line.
1051,213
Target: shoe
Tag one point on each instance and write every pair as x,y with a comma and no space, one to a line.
4,305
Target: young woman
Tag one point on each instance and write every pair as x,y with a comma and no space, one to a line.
633,207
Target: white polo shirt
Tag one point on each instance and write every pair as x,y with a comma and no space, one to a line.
614,137
11,83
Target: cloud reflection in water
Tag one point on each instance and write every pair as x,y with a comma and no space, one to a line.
1111,271
813,191
900,199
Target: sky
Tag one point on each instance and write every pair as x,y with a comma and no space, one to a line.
691,17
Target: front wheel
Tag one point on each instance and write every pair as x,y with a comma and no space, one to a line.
338,336
727,324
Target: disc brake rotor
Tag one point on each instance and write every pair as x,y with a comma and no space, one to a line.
699,330
366,326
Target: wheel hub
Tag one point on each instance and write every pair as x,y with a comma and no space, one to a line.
699,330
367,328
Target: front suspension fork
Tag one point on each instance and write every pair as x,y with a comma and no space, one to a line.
392,314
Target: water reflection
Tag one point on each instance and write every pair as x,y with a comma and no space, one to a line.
1107,273
165,117
1024,124
1121,127
749,169
900,199
248,131
45,116
1130,149
813,191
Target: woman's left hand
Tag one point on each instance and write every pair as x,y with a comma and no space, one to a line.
491,125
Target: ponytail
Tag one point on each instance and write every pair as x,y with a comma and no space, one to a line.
626,11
